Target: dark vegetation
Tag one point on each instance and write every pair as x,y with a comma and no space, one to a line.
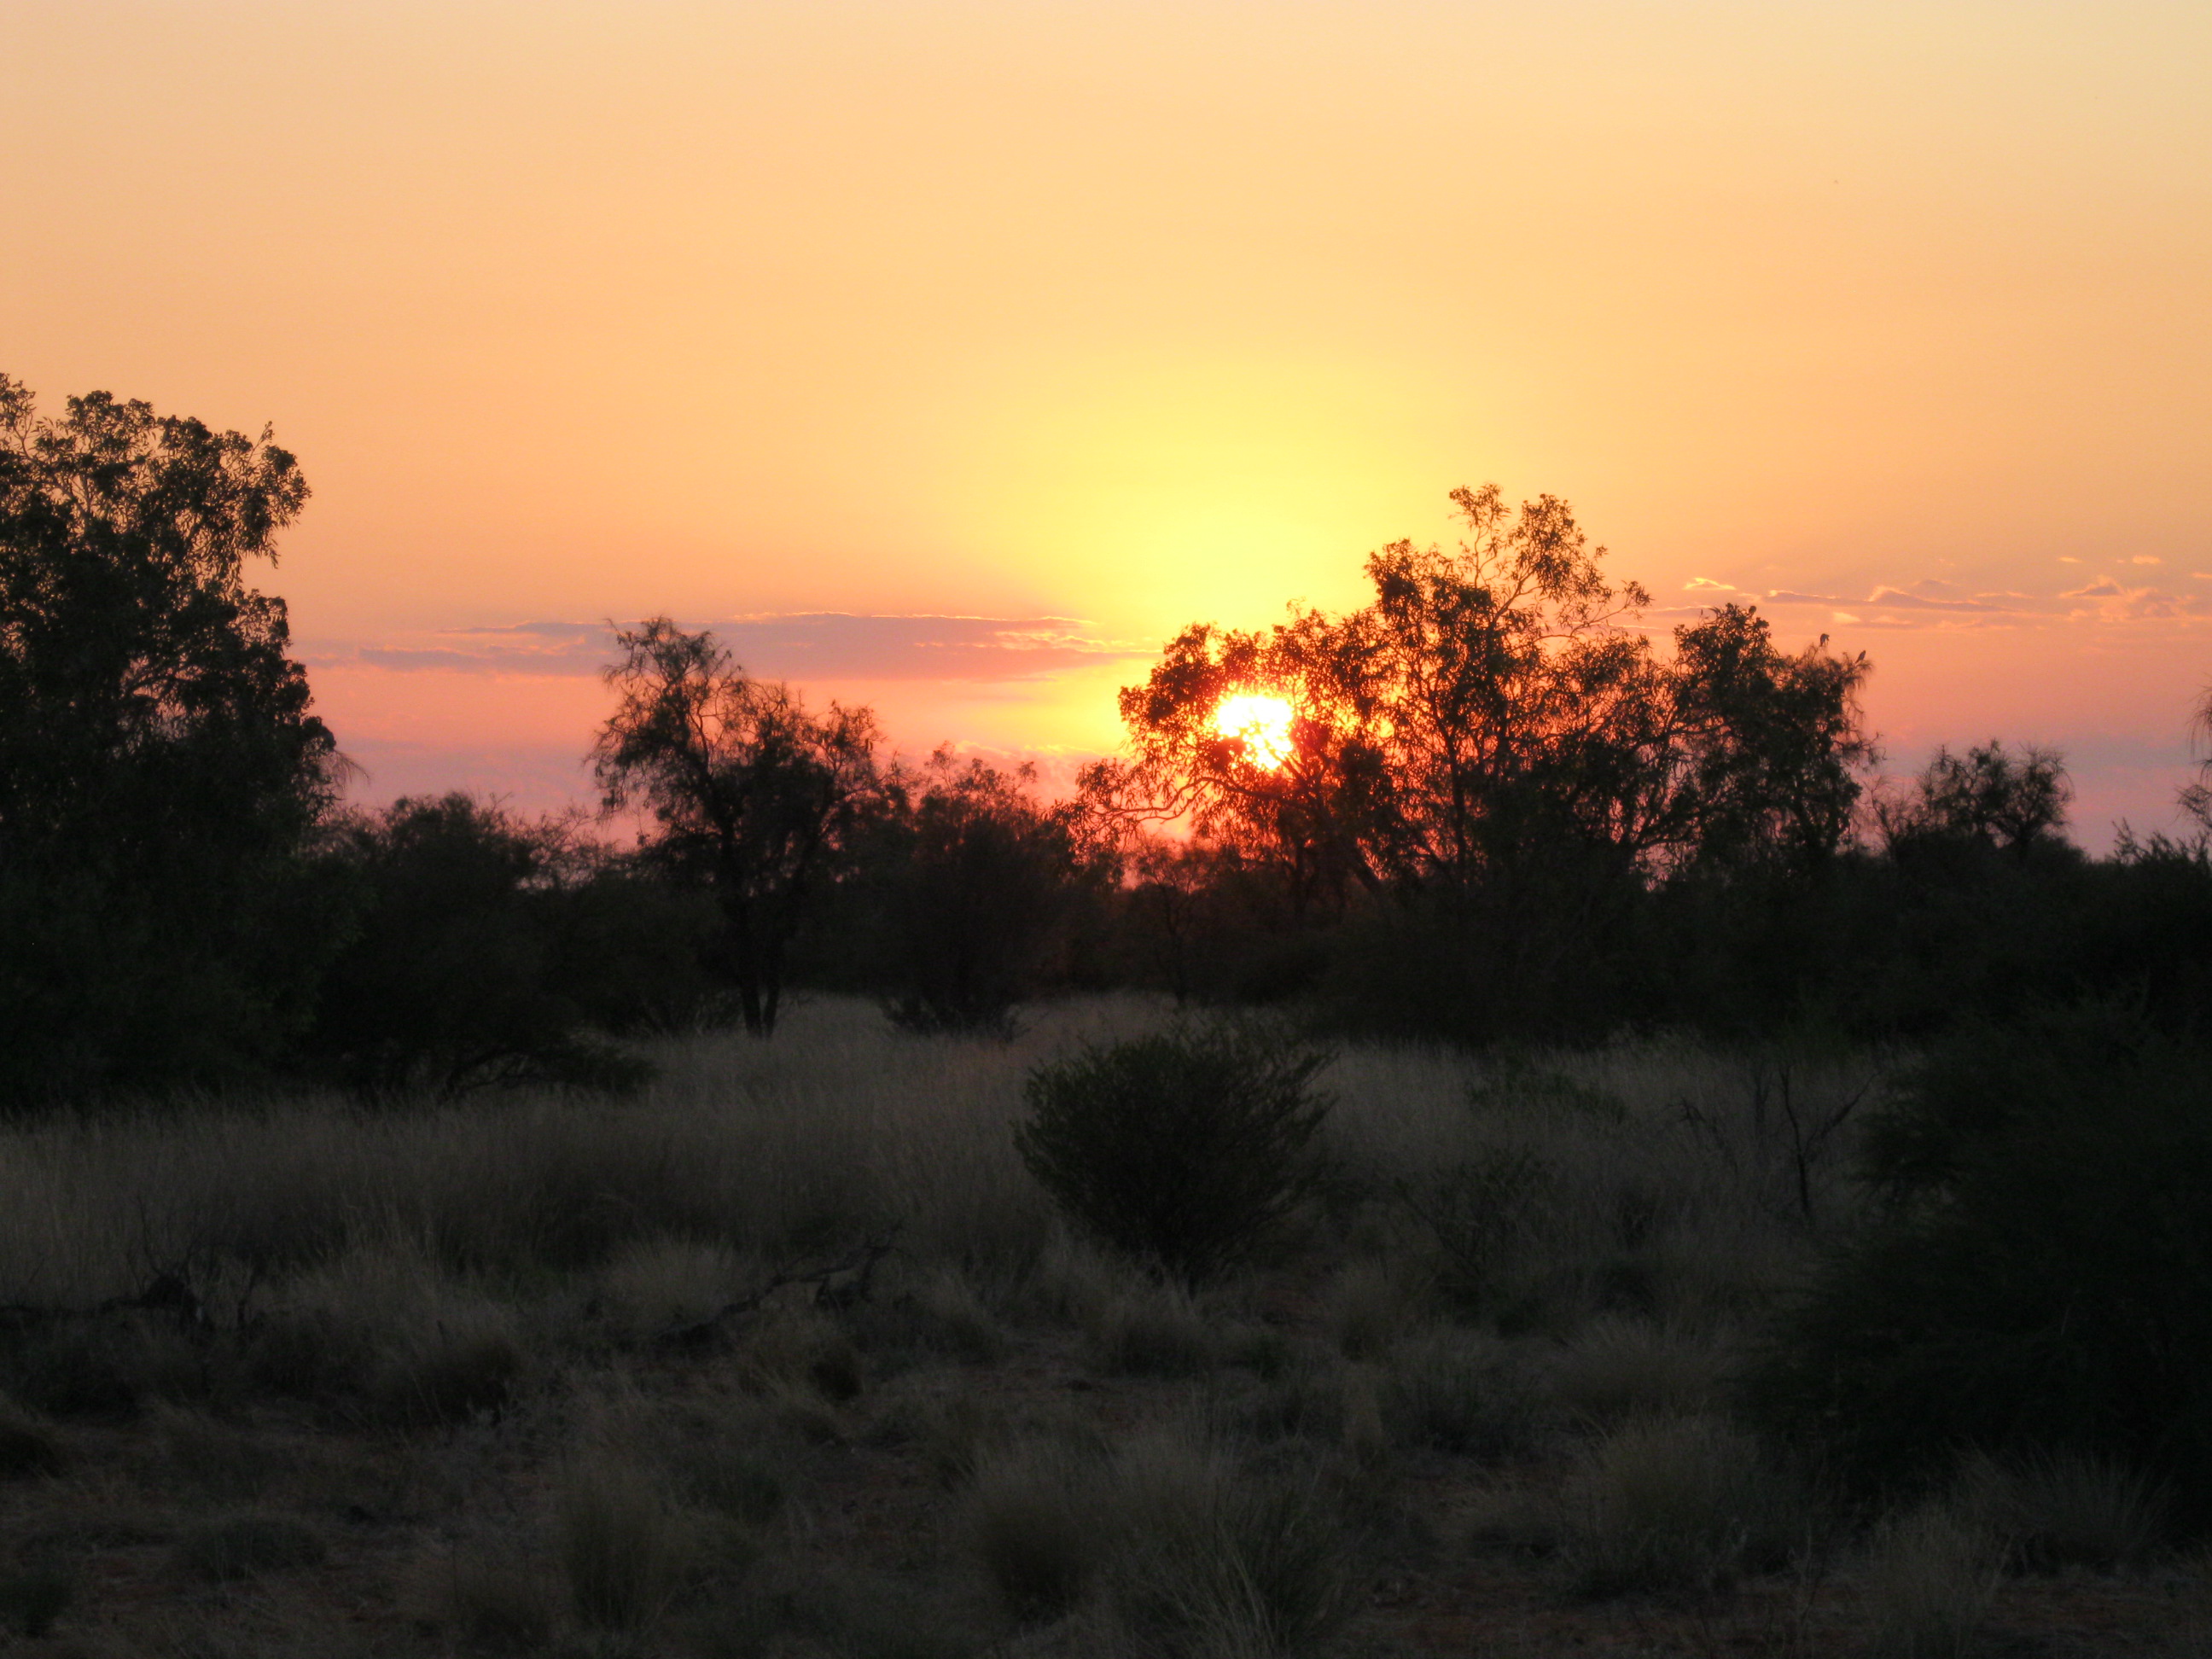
1507,821
1182,1149
2036,1276
1505,817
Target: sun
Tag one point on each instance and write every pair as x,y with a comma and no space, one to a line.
1261,723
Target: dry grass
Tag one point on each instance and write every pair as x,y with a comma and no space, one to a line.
1464,1393
490,1598
473,1352
1617,1368
1929,1578
1040,1523
1153,1330
1186,1551
243,1546
1680,1504
624,1548
29,1448
2065,1509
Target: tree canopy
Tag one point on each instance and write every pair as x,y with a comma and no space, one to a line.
158,759
1491,710
750,792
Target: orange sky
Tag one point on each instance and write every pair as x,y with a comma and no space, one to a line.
950,356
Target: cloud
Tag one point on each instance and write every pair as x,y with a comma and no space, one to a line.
1894,599
2145,558
1930,595
537,648
1707,585
804,646
827,645
2112,603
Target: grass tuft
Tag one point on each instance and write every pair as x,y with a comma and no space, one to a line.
1677,1505
28,1448
2064,1509
1154,1330
1615,1368
1457,1392
246,1544
30,1601
1040,1524
1228,1562
1931,1577
491,1601
623,1549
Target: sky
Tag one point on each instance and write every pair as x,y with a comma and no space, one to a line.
950,358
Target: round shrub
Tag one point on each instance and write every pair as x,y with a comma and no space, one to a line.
1183,1148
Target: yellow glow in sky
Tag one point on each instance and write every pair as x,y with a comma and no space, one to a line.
1106,318
1260,723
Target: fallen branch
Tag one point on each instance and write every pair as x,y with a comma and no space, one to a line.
857,1268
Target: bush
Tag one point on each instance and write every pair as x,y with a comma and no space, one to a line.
470,962
971,884
1183,1148
2042,1279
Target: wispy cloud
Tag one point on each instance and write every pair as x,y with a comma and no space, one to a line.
804,646
1922,596
2113,602
1934,603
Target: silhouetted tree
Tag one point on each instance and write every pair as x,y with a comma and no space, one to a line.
2196,798
1487,769
158,764
1770,744
1992,797
1484,707
972,880
752,794
476,958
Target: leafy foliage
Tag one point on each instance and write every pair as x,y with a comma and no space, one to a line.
754,796
1489,771
2043,1278
1184,1147
1991,796
972,881
474,958
1489,708
159,767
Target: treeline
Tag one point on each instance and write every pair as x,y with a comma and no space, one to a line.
1480,809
